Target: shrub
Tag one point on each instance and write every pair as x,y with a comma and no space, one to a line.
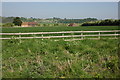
8,25
107,22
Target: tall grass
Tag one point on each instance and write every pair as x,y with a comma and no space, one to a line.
37,58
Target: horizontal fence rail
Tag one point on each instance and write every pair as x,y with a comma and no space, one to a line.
57,32
80,34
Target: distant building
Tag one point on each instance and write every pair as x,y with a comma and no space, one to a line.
28,24
72,24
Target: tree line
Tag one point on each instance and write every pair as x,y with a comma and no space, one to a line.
47,20
76,20
17,21
107,22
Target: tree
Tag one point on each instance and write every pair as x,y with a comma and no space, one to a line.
17,21
107,22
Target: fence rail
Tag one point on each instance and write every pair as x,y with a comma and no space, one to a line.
57,32
81,34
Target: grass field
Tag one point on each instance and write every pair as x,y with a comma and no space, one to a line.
55,29
37,58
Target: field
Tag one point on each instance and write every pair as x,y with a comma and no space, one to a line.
45,58
36,58
55,29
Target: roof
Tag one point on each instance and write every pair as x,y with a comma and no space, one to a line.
29,23
72,24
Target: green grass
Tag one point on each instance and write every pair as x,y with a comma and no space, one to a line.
55,29
35,58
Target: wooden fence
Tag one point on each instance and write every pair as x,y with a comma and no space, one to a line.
80,34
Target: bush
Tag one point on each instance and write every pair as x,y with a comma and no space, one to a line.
107,22
8,25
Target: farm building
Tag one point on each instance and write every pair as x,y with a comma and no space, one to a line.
72,24
28,24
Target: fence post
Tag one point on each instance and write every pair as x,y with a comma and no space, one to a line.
20,36
42,36
115,35
82,35
99,35
63,35
33,35
72,35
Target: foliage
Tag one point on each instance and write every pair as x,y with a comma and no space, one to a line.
55,21
36,58
1,24
76,20
107,22
47,20
17,21
7,19
8,25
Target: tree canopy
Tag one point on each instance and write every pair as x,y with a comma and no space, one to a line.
107,22
17,21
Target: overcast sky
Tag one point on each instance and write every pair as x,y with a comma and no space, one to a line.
100,10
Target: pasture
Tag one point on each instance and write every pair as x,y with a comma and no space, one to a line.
35,58
56,29
46,58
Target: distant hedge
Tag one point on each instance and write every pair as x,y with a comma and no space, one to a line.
8,25
107,22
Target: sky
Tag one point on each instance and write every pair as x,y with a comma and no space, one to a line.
77,10
59,0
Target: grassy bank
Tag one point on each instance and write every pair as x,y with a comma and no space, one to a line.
49,59
55,29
